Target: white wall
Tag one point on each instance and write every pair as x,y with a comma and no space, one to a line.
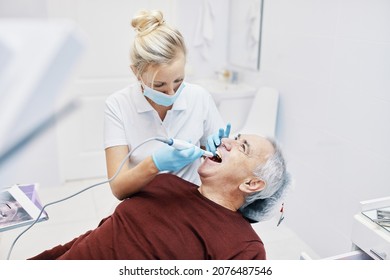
215,55
331,62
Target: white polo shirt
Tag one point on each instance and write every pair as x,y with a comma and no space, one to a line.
130,120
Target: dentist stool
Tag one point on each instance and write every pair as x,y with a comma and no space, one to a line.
262,116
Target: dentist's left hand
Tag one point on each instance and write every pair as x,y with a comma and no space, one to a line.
214,140
169,159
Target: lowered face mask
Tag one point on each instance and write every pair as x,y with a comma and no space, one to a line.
162,98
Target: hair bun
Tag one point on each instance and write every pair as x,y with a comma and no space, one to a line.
147,21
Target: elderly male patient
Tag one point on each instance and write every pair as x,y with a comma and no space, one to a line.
173,219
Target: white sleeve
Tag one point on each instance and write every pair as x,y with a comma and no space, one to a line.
114,132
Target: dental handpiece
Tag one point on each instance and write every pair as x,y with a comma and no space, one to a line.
181,145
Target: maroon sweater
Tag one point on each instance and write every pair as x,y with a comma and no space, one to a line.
170,220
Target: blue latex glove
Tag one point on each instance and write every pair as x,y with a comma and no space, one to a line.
214,140
169,159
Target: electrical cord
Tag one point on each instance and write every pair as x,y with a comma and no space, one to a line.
161,139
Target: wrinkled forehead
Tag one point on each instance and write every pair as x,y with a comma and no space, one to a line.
260,146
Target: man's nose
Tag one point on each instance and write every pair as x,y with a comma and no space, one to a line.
227,143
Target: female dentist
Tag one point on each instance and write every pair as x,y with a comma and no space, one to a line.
159,104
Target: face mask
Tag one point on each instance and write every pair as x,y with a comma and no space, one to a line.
162,98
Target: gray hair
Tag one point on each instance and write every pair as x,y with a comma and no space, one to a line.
259,205
155,42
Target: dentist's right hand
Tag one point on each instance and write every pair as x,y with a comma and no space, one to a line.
168,158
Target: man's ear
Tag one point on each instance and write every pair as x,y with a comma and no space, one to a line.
252,185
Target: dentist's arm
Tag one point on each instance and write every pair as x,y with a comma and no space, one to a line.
131,180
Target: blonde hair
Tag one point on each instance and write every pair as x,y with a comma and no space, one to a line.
155,42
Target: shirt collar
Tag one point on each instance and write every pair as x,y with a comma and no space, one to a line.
141,104
181,102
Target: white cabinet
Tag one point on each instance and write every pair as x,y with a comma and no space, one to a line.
368,235
369,239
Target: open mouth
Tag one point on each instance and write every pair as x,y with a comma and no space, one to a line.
217,157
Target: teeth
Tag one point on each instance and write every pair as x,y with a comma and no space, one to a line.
218,157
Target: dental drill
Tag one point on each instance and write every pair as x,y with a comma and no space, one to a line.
181,145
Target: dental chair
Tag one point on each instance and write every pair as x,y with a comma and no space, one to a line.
262,116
